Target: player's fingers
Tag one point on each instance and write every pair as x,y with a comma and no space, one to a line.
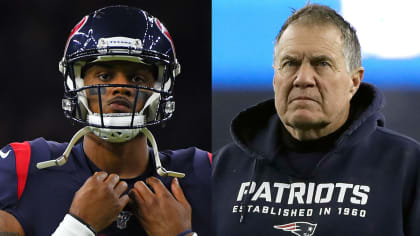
158,187
135,197
144,192
132,204
100,176
112,180
124,199
177,192
135,202
121,188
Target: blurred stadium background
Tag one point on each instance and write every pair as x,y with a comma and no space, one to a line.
243,33
32,43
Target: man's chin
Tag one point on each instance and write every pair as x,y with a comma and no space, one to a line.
305,122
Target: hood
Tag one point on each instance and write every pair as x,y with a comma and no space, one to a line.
257,130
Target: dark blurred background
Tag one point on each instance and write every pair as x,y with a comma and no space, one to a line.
32,43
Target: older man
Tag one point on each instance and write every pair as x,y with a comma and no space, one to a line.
316,159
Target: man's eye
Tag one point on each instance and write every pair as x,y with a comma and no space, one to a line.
137,79
289,63
104,76
323,63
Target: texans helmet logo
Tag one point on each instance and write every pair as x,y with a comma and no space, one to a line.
298,228
75,30
166,33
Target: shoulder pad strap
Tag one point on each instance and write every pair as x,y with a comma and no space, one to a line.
23,157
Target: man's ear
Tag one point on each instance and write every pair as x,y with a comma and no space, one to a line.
356,79
274,76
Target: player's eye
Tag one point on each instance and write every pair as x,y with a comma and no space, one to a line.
137,79
105,77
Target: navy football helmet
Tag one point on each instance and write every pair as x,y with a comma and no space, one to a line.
119,33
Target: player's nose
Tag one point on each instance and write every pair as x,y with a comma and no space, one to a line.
121,78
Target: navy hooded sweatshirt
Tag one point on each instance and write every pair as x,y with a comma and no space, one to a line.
366,183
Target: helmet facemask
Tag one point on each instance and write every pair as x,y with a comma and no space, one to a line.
119,126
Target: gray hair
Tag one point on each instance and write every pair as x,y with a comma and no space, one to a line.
320,15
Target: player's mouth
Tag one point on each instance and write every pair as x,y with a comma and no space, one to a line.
120,104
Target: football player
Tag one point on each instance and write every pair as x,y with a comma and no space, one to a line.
119,68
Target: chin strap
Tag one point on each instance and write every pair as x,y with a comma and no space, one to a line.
82,132
160,170
63,158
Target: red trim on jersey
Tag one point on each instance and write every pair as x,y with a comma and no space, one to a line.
23,157
210,158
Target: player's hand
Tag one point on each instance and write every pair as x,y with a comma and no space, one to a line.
98,202
161,213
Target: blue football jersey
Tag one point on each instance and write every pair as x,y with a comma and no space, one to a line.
39,199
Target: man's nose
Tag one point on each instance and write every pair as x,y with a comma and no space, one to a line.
305,76
120,78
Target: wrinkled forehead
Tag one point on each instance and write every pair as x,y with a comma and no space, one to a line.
310,38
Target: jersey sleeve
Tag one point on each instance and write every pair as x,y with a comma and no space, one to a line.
14,163
196,164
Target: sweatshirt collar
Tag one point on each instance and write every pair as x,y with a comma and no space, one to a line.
257,130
